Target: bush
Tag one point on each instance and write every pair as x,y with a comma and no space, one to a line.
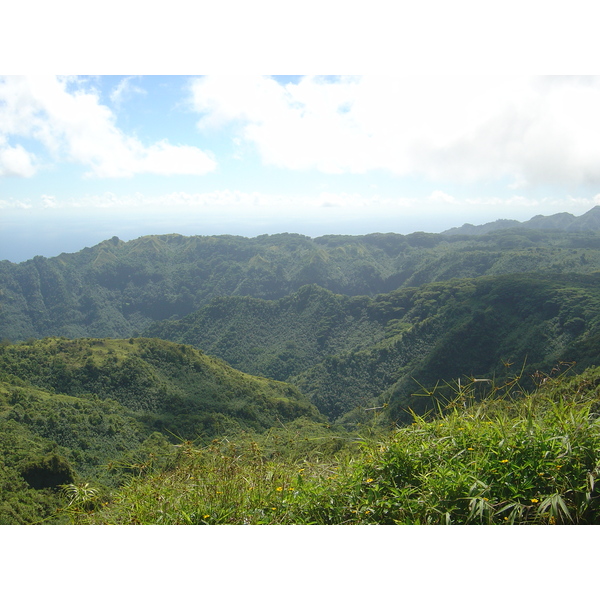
50,471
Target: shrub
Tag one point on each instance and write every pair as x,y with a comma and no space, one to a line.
50,471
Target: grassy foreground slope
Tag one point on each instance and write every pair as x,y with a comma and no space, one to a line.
495,453
509,458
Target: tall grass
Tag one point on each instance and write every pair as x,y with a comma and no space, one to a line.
492,454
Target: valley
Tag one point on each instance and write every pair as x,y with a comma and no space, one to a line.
136,364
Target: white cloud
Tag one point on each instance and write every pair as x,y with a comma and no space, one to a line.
75,126
442,198
236,202
15,160
125,89
531,130
48,201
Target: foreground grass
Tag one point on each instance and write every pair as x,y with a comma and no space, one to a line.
510,458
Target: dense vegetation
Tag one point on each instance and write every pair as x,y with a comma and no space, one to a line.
344,352
70,408
117,289
508,458
282,379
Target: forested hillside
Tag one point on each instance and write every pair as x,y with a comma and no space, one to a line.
127,363
345,352
117,289
71,408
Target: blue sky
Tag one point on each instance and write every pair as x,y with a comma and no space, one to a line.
416,144
83,158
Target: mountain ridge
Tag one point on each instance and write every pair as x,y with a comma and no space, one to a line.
589,221
117,289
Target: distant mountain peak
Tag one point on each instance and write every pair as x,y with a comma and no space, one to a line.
589,221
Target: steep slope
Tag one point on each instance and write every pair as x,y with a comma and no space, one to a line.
466,329
162,383
277,338
347,352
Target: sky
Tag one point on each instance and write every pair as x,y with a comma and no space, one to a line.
83,158
435,133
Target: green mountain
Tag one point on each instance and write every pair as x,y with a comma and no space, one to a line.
590,221
277,338
344,352
118,289
313,338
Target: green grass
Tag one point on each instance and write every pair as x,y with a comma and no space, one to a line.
509,457
226,482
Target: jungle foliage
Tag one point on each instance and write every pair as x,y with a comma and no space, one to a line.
284,379
92,409
347,352
117,289
509,457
